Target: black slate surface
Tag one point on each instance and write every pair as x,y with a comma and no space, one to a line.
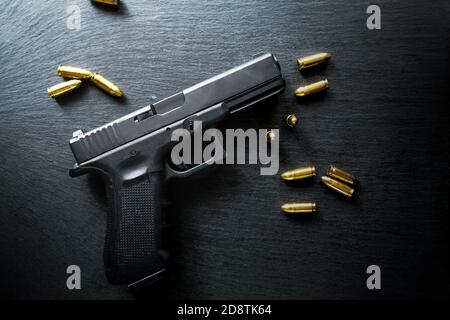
385,119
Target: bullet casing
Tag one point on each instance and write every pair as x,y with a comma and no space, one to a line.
63,87
342,175
313,60
74,72
312,88
300,173
106,85
338,186
109,2
291,120
299,207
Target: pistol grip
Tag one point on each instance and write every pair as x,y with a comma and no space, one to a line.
133,244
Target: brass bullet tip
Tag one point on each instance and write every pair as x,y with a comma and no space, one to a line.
63,87
342,175
312,88
74,72
300,173
108,2
338,186
106,85
299,207
270,136
291,120
313,60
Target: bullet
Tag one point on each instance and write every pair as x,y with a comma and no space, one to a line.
300,173
63,87
312,88
270,136
290,120
108,2
338,186
74,72
106,85
299,207
342,175
313,60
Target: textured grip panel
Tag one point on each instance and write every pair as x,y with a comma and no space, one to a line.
133,235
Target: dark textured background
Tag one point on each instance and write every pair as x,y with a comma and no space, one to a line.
384,118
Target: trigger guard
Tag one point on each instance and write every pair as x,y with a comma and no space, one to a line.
172,173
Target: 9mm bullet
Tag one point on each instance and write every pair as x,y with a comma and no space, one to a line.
299,207
312,88
337,186
270,136
108,2
74,73
290,120
342,175
298,174
63,87
313,60
106,85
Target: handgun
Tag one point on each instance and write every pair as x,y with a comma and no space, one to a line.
131,154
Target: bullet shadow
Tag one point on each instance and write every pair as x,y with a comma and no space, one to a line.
302,218
312,98
316,71
72,96
307,182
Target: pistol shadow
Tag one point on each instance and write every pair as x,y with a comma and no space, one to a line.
97,187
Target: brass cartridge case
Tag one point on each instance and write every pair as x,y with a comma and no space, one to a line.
342,175
106,85
299,207
63,87
300,173
337,186
313,60
290,120
74,72
312,88
109,2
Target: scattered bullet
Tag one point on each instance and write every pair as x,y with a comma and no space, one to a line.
299,207
63,87
270,136
338,186
300,173
342,175
106,85
108,2
290,120
312,88
313,60
74,72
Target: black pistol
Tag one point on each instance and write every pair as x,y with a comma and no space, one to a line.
132,153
